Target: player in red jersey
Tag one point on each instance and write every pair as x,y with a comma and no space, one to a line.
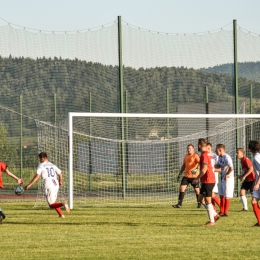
207,177
215,199
4,168
247,177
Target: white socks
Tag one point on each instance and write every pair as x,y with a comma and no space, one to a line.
212,213
244,202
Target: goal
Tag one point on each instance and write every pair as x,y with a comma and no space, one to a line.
114,158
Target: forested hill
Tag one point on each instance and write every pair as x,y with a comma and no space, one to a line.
249,70
73,80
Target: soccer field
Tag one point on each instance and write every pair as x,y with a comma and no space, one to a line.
148,232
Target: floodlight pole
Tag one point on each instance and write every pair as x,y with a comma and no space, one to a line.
236,96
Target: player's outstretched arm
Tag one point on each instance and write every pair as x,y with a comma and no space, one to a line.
35,178
19,181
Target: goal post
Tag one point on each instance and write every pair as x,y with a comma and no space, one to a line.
154,147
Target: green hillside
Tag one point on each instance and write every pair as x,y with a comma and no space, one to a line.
249,70
73,80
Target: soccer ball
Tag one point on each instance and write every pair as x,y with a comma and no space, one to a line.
19,190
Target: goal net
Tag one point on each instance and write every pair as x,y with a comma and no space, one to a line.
112,158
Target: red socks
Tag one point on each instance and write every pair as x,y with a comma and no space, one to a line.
216,200
256,211
227,205
222,204
57,206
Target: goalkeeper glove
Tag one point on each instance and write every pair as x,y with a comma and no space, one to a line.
179,176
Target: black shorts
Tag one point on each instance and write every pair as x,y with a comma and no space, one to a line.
206,189
247,185
187,181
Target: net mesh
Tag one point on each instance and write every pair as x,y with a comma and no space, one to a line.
45,75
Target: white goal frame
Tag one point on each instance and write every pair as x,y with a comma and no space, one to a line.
71,115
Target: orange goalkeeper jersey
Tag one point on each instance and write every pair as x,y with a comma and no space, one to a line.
191,162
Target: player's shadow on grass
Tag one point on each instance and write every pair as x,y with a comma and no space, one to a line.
91,223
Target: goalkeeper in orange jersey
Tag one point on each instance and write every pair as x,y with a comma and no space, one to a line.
191,168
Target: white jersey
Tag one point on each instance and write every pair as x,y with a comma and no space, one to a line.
225,162
48,172
256,165
214,161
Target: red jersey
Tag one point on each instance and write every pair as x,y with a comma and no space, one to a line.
209,176
3,167
246,164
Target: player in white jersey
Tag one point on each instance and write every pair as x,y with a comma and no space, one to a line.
254,147
49,173
214,160
226,187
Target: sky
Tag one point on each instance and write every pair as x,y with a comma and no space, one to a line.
171,16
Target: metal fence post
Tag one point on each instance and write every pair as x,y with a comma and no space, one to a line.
121,92
21,136
236,97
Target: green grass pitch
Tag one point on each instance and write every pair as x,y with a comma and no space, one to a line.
141,232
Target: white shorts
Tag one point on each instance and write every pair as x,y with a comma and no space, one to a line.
215,189
51,191
226,188
256,194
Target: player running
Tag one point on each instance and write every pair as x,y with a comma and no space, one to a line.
247,177
207,178
190,166
49,172
254,147
4,168
226,187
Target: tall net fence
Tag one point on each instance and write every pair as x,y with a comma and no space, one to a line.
144,167
45,75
